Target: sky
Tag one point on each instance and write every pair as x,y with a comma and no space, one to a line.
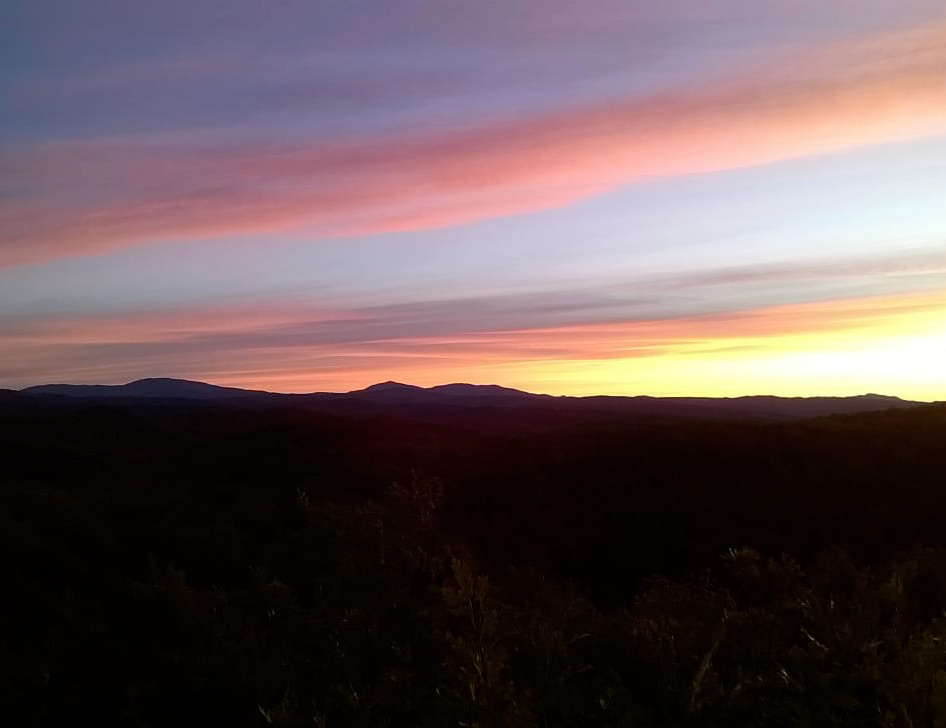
684,197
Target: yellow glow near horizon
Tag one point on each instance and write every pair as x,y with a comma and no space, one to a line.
909,367
902,353
893,345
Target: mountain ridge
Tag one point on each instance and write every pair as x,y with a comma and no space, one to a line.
464,401
148,388
190,388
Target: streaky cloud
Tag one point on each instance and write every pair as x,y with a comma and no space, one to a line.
287,342
84,197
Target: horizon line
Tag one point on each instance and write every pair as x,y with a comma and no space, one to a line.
484,385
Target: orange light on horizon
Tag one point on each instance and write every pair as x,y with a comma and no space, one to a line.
891,345
886,344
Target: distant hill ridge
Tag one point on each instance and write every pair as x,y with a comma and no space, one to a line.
155,387
169,388
457,389
446,402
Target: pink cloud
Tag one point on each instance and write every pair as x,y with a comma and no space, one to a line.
76,198
300,346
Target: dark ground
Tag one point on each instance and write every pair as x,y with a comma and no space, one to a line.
212,563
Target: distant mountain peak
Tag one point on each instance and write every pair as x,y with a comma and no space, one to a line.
148,388
464,389
401,392
389,386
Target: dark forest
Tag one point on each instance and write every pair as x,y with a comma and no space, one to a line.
200,564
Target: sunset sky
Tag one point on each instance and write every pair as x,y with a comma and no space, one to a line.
683,197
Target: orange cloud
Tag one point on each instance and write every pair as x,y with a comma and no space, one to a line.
83,197
893,344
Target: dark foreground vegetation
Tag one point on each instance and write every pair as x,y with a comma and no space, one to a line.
184,565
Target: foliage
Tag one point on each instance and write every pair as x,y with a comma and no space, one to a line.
147,596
